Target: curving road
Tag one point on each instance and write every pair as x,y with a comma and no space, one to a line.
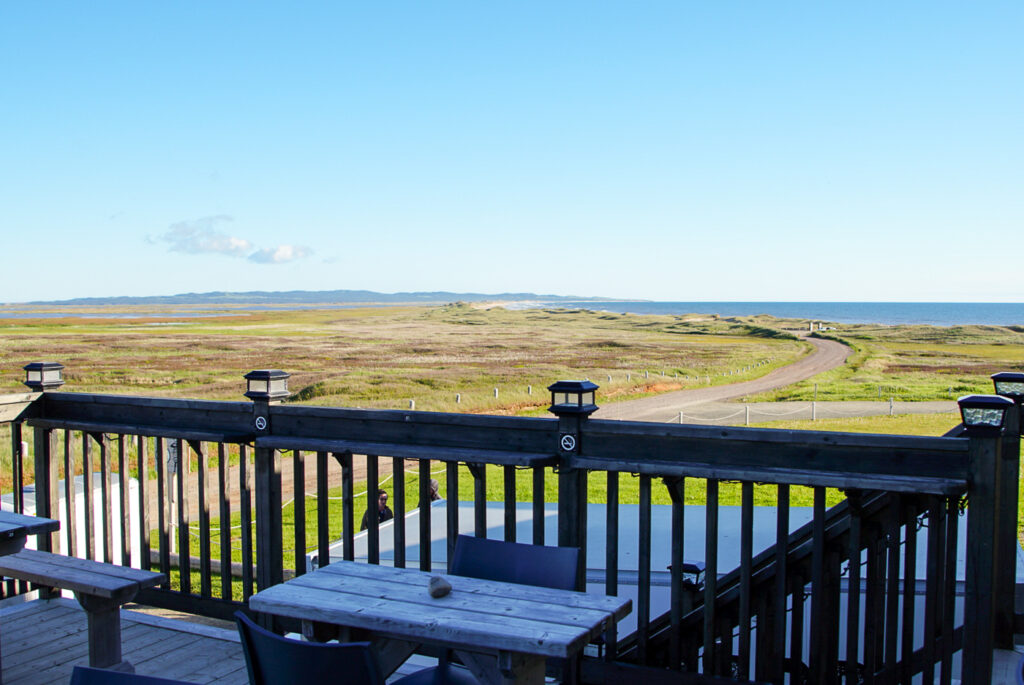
828,354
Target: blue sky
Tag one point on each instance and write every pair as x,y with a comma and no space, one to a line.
667,151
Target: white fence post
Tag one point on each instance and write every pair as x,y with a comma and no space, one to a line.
814,410
890,406
747,408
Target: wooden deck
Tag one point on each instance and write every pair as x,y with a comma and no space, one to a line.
43,640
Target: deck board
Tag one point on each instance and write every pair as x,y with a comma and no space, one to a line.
44,639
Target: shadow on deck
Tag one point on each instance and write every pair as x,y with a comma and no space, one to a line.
42,640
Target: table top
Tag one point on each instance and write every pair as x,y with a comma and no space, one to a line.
477,614
20,525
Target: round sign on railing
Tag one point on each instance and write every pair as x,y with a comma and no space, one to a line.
568,442
261,423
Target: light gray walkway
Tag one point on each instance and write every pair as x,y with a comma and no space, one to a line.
42,640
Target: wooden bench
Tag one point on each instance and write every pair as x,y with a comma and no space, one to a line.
100,588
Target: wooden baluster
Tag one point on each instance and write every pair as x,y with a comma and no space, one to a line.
184,519
817,655
933,582
874,599
479,472
87,485
163,512
643,602
892,585
123,485
299,493
538,505
224,501
679,598
205,563
909,592
452,507
399,505
372,519
70,492
949,592
509,473
611,555
779,593
425,532
710,576
17,468
348,506
245,516
142,470
854,590
746,576
323,532
107,524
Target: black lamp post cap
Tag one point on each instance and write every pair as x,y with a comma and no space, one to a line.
267,384
984,413
44,375
1009,384
572,397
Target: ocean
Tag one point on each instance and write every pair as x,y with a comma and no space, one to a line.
887,313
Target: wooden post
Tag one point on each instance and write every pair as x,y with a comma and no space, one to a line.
47,477
1006,529
572,490
269,532
269,544
979,599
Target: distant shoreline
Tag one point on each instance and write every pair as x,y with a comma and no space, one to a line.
865,313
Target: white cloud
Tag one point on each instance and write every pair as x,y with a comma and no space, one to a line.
204,236
280,254
201,236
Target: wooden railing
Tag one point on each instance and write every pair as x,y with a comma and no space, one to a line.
835,600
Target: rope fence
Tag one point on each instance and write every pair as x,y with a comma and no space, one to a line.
811,410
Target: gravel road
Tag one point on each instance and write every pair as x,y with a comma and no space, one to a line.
827,354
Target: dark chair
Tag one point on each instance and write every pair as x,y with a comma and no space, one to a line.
507,562
514,562
273,659
86,675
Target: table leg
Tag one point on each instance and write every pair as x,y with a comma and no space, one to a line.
104,620
507,668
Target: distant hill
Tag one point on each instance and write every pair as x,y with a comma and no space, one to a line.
315,297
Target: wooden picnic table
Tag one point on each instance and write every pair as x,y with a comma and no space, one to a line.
14,531
503,632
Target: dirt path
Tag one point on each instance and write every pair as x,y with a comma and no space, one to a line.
827,354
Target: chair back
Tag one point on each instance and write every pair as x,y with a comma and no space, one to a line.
514,562
86,675
272,659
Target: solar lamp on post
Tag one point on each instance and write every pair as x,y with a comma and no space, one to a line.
42,376
572,402
984,415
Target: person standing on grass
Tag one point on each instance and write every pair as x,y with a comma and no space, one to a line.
383,512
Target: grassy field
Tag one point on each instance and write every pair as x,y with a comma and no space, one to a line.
385,357
912,363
